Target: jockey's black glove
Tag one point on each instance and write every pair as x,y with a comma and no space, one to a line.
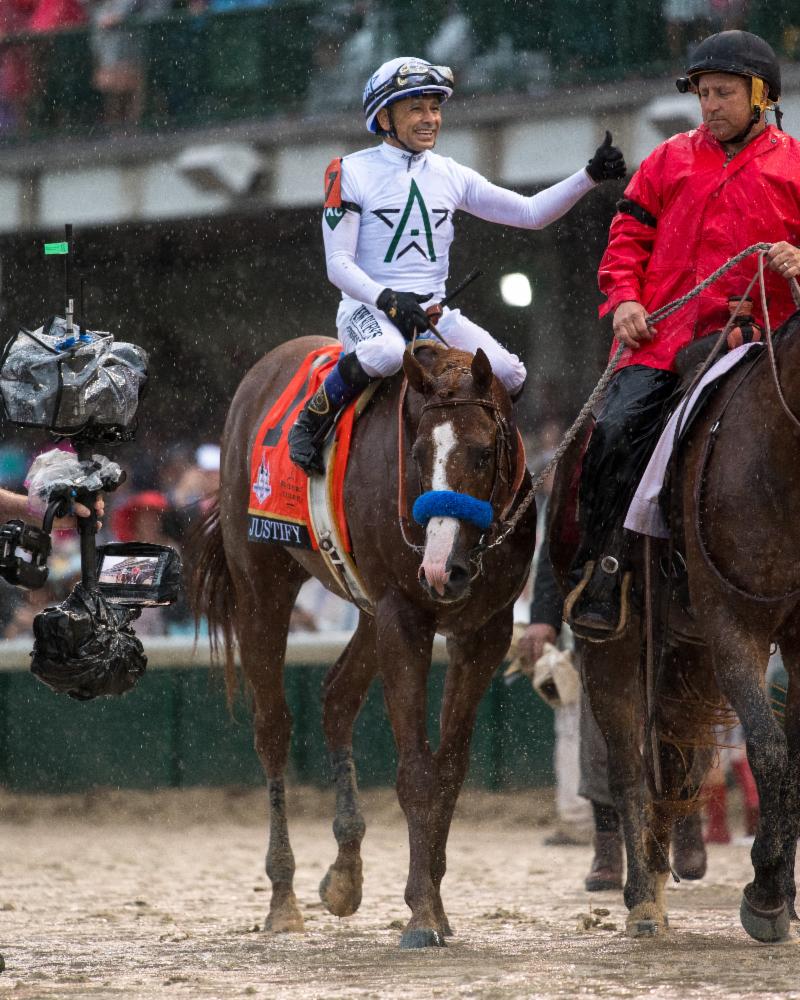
607,164
405,311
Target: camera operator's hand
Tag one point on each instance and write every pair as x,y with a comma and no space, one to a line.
80,510
13,505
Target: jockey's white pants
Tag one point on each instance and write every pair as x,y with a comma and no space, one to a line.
379,345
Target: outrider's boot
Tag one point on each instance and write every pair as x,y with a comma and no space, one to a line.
597,605
606,870
688,850
314,422
594,605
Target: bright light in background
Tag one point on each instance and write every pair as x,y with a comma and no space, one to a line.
516,290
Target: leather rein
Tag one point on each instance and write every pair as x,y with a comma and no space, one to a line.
504,468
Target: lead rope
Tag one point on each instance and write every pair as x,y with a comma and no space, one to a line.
768,337
599,390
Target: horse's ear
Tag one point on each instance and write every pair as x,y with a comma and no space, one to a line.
418,377
482,372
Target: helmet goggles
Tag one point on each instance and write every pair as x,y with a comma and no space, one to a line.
410,78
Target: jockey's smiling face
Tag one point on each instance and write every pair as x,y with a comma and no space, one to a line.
725,102
416,121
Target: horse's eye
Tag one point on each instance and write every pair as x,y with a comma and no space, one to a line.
483,458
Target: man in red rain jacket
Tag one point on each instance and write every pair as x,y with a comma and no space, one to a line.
695,202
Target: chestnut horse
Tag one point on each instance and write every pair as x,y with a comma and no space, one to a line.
460,438
736,514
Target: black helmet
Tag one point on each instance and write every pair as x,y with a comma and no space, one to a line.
738,52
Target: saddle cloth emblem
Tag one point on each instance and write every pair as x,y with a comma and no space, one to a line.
262,487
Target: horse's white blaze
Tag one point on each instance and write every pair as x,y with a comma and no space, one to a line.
442,532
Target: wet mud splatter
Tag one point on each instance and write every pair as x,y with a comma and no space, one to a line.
163,896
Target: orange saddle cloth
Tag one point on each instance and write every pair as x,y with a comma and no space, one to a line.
278,504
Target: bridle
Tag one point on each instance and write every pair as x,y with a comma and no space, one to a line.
508,474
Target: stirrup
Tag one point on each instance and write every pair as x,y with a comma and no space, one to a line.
596,634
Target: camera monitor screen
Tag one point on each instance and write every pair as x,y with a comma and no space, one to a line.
137,573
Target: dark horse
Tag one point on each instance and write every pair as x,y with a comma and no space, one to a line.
459,435
736,512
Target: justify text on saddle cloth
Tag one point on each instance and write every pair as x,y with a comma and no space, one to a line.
644,514
388,223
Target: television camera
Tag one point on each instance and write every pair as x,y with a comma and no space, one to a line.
84,388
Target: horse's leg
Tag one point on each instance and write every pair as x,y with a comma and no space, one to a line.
473,660
345,688
738,653
404,642
610,679
789,641
683,756
263,614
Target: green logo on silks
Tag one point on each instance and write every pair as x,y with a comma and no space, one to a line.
333,216
414,195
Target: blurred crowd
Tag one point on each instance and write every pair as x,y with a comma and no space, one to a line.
117,62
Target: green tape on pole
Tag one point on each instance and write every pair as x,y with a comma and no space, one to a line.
55,248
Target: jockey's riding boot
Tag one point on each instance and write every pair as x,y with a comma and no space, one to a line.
606,870
688,850
314,422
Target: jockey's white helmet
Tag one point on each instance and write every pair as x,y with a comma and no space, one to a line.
403,77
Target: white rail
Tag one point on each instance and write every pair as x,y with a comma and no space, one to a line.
305,649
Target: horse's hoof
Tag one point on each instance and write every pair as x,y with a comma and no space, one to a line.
646,920
285,918
340,893
766,926
422,937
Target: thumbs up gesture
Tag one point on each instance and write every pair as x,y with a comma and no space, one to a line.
607,164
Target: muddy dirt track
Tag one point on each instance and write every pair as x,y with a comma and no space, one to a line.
163,896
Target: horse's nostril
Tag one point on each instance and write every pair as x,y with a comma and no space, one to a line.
458,575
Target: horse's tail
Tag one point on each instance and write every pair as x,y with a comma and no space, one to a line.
211,591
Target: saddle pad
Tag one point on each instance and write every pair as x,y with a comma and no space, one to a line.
278,502
644,514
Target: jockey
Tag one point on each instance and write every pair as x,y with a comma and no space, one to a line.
696,201
387,227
